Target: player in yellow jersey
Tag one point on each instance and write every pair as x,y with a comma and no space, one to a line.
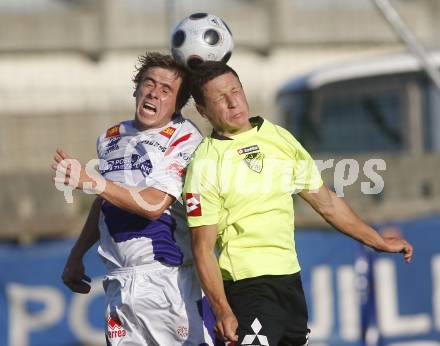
238,194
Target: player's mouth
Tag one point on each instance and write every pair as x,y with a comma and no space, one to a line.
237,115
149,108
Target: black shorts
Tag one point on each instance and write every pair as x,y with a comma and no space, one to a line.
271,310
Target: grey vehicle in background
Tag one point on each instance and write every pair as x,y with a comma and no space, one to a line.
384,108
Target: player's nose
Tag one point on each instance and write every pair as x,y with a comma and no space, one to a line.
232,102
153,92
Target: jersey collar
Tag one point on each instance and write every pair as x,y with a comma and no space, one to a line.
255,122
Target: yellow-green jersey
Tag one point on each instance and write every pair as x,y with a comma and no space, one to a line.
244,185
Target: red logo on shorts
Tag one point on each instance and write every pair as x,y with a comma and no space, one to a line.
193,206
182,332
115,329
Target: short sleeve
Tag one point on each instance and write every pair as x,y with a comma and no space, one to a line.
201,192
305,175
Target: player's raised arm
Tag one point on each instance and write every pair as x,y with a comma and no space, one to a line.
146,202
338,213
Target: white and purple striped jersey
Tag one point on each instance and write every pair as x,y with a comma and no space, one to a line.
152,158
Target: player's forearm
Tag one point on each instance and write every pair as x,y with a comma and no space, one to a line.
211,279
347,221
90,232
145,202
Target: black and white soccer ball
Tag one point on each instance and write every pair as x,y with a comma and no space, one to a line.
201,37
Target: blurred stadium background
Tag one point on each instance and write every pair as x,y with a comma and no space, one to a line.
333,71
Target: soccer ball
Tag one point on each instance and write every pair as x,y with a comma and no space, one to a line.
201,37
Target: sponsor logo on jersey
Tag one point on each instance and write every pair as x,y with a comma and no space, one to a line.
173,145
154,144
168,132
112,145
113,131
178,168
136,162
114,328
254,161
185,156
248,150
254,158
193,206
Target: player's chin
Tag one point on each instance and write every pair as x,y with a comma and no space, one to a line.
146,120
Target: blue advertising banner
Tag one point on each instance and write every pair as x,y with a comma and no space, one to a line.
402,304
356,297
35,306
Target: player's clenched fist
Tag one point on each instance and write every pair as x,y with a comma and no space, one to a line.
73,276
226,326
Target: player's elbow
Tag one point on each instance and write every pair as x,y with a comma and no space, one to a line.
328,207
153,215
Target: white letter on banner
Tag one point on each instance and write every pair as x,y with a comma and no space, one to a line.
339,175
391,324
78,319
348,304
323,165
322,298
375,178
21,321
436,290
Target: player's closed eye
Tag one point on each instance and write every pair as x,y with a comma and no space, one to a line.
148,83
219,99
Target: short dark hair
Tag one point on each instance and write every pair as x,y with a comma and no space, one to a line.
166,61
205,72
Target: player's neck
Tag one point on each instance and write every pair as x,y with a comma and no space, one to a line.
233,132
143,127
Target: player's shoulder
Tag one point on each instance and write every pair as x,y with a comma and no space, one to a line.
286,136
183,124
207,149
115,130
182,133
272,127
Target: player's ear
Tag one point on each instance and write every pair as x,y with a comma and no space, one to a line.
135,92
201,110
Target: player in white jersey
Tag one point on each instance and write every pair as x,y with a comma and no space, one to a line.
152,294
